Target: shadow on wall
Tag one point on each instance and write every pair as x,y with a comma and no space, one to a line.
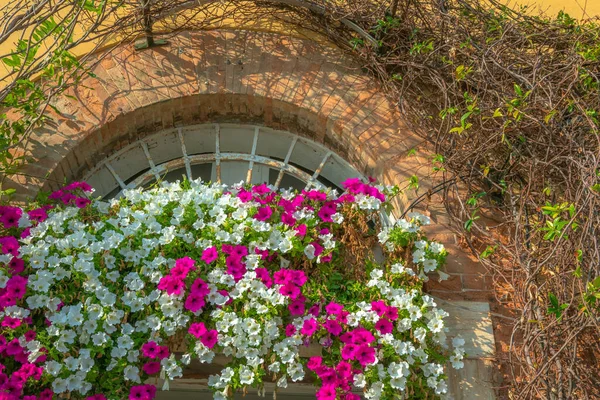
237,76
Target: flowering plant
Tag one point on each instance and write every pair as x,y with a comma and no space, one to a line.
92,293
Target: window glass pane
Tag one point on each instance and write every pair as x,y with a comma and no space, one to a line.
236,139
288,181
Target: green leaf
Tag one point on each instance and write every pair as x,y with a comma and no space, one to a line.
518,90
489,250
13,61
549,116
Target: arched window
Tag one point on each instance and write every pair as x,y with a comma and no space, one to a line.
227,153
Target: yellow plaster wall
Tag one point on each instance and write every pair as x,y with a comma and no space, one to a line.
575,8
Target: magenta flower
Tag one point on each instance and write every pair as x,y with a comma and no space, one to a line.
384,326
391,313
182,267
142,392
46,394
318,248
264,213
327,258
365,355
379,307
11,323
152,367
315,195
352,185
16,287
171,285
235,268
16,265
290,330
56,195
315,310
362,336
326,211
290,290
333,327
349,351
283,276
210,338
298,277
296,307
239,251
96,397
38,215
209,255
197,329
9,245
78,185
327,392
344,369
263,275
150,349
309,327
346,198
25,233
244,195
13,347
194,302
200,287
314,363
163,352
288,219
82,202
334,308
261,189
10,216
301,230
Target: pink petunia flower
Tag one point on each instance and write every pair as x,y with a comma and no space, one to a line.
82,202
297,307
264,213
314,363
210,338
384,326
200,287
209,255
150,349
194,302
301,230
197,329
334,308
290,290
290,330
349,351
152,367
96,397
333,327
365,355
327,392
309,327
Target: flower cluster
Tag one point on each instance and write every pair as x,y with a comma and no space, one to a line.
93,293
